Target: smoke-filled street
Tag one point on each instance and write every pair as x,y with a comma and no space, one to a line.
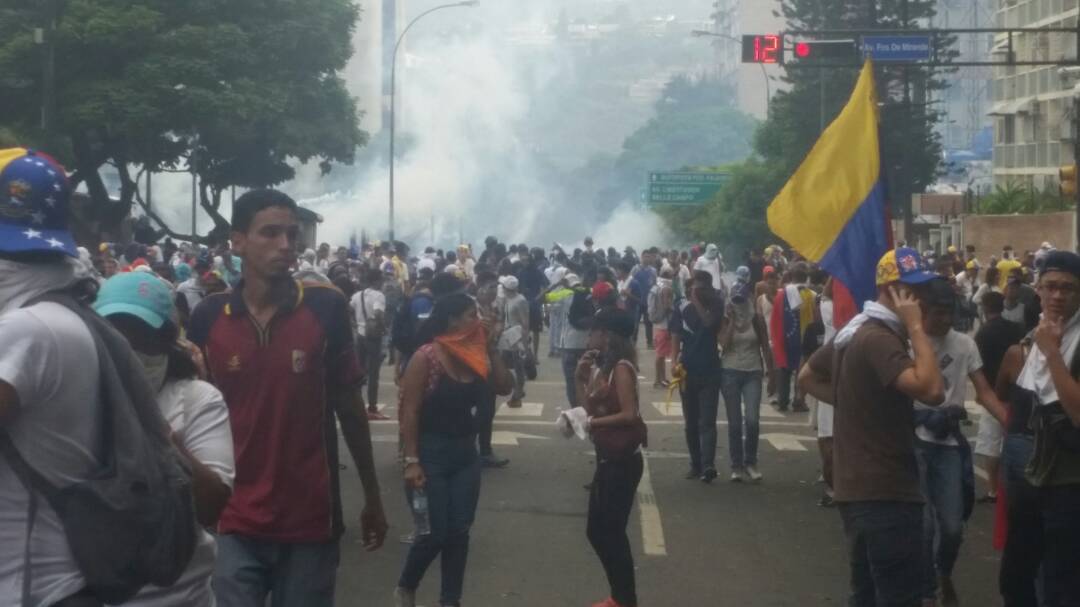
765,545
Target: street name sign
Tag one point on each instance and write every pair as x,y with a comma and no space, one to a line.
901,49
684,188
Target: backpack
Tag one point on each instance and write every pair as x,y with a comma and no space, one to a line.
406,327
581,311
658,314
133,523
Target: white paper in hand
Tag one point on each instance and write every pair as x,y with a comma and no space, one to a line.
573,422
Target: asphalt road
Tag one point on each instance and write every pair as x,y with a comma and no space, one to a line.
694,544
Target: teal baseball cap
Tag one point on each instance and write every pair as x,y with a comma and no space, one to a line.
140,294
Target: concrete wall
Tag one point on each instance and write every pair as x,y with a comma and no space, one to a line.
1024,232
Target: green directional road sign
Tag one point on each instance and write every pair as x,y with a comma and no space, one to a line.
683,188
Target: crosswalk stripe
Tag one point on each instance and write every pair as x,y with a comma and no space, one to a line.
672,409
526,410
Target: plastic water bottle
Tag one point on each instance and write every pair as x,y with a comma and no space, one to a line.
421,516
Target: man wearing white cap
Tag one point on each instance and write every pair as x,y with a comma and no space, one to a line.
515,313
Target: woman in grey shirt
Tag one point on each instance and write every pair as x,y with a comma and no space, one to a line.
746,356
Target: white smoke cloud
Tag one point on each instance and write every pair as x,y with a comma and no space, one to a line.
466,165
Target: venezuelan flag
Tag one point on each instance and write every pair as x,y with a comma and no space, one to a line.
833,209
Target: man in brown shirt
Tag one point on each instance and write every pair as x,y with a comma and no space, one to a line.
872,379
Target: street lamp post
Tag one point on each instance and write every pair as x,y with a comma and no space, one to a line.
393,93
765,75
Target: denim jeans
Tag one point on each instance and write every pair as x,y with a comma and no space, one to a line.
570,360
700,401
374,356
485,421
611,500
452,469
742,389
293,575
1022,557
940,474
517,369
1061,544
885,551
784,379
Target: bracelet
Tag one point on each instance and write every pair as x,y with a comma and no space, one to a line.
410,460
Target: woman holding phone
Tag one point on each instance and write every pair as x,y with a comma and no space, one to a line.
607,386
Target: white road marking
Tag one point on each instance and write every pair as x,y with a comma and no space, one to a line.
768,411
653,454
652,528
511,438
649,422
787,442
672,409
526,410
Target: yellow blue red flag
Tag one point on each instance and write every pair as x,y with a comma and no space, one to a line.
833,209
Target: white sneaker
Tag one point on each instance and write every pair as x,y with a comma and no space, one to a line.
755,476
738,476
404,598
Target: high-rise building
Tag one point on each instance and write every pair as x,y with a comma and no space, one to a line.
368,71
758,17
364,73
733,19
967,100
1033,106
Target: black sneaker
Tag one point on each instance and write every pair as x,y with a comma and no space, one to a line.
709,475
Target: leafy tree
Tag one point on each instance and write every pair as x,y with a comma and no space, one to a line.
695,125
231,89
1013,198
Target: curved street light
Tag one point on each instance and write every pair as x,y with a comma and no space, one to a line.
393,93
765,74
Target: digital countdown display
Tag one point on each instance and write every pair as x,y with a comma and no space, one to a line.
767,48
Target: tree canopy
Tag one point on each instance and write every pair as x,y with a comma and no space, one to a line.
229,88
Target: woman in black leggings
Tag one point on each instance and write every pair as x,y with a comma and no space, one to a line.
607,384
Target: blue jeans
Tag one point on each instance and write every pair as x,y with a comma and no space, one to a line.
570,360
293,575
452,468
1022,557
885,551
1060,508
700,401
742,388
940,474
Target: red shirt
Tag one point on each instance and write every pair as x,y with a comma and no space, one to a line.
275,382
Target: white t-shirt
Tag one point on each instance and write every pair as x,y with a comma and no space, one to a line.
712,266
196,411
46,355
374,300
958,357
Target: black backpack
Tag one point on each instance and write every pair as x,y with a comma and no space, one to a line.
581,312
133,523
406,327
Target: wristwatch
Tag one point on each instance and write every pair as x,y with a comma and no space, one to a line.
411,460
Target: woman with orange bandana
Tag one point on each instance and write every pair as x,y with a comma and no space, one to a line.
454,370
